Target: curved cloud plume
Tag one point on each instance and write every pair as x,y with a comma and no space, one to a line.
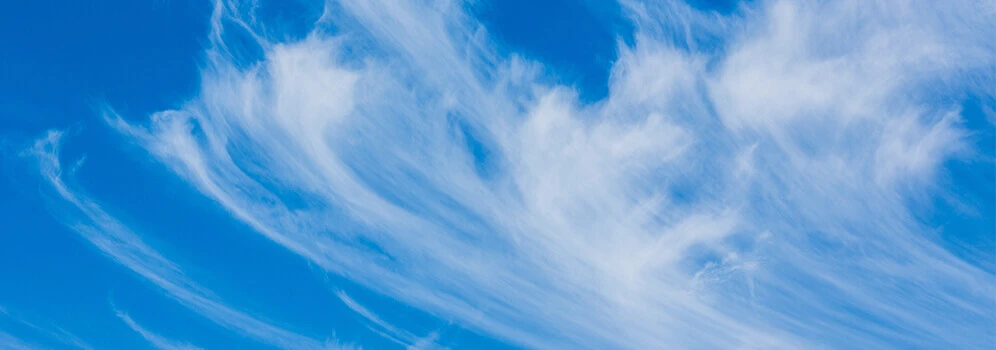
157,341
118,242
747,182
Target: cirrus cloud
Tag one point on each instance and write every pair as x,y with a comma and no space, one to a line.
753,193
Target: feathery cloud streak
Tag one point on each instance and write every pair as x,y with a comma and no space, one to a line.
10,342
118,242
747,182
387,330
157,341
46,329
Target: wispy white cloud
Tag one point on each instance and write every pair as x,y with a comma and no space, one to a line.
157,341
8,341
387,330
746,183
121,244
46,329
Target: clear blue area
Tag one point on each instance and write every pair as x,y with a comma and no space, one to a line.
576,39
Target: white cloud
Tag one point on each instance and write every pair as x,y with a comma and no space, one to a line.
50,331
118,242
8,341
154,339
387,330
741,196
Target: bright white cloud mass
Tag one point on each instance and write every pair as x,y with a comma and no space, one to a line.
748,182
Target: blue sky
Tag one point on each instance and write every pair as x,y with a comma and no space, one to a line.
497,174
